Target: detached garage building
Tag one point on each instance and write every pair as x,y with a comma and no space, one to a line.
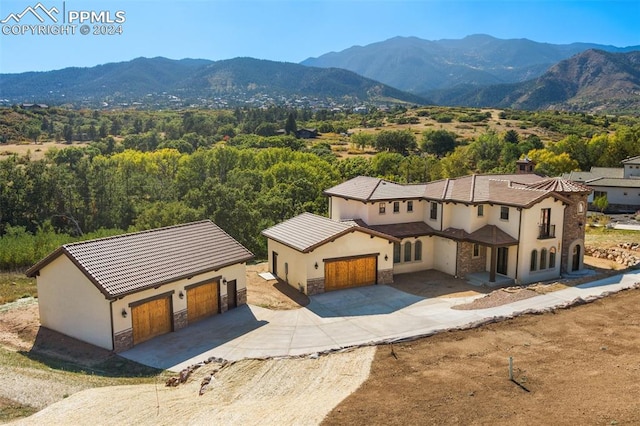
315,254
120,291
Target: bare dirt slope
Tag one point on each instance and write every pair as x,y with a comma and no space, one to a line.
251,392
575,366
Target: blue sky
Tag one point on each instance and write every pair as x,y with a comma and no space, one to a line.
287,30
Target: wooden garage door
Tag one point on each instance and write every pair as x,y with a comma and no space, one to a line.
347,273
151,319
202,301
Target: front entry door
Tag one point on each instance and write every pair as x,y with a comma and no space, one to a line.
503,261
576,258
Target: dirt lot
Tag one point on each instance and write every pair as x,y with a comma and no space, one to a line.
575,366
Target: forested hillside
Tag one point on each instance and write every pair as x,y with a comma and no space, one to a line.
130,170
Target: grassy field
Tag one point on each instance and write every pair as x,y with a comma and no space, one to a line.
14,286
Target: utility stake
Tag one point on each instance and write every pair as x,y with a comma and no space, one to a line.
511,368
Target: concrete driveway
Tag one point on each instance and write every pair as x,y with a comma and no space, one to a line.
346,318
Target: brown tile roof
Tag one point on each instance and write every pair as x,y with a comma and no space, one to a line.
130,263
400,230
491,235
365,188
560,185
511,189
308,231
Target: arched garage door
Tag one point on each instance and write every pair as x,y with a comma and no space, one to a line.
151,318
350,272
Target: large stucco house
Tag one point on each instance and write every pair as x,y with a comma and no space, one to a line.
120,291
521,226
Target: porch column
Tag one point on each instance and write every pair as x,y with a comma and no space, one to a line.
494,264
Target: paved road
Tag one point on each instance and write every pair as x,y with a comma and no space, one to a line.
336,320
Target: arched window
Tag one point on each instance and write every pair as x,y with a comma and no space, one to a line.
543,258
534,260
580,207
417,251
552,257
396,252
407,251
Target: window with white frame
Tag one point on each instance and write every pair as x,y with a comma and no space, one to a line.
396,206
382,208
409,206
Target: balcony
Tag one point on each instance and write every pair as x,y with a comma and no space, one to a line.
546,231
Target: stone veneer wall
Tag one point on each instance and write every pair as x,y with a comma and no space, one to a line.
180,319
224,303
466,263
123,340
315,286
241,296
385,276
573,230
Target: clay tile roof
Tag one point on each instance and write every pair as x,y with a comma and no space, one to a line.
401,230
359,188
307,231
519,190
560,185
366,188
491,235
129,263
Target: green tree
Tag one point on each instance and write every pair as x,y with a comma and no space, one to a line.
290,126
400,141
601,203
438,142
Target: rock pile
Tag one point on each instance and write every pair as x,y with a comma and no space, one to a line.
624,255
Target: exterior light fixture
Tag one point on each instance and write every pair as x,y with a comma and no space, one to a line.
181,295
316,265
124,313
386,257
224,281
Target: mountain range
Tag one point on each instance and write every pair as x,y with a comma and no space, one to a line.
421,66
478,71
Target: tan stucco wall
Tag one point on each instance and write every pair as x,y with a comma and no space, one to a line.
70,304
301,266
428,255
234,272
444,252
529,241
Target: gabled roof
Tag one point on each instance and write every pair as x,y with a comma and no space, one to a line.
631,160
130,263
308,231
